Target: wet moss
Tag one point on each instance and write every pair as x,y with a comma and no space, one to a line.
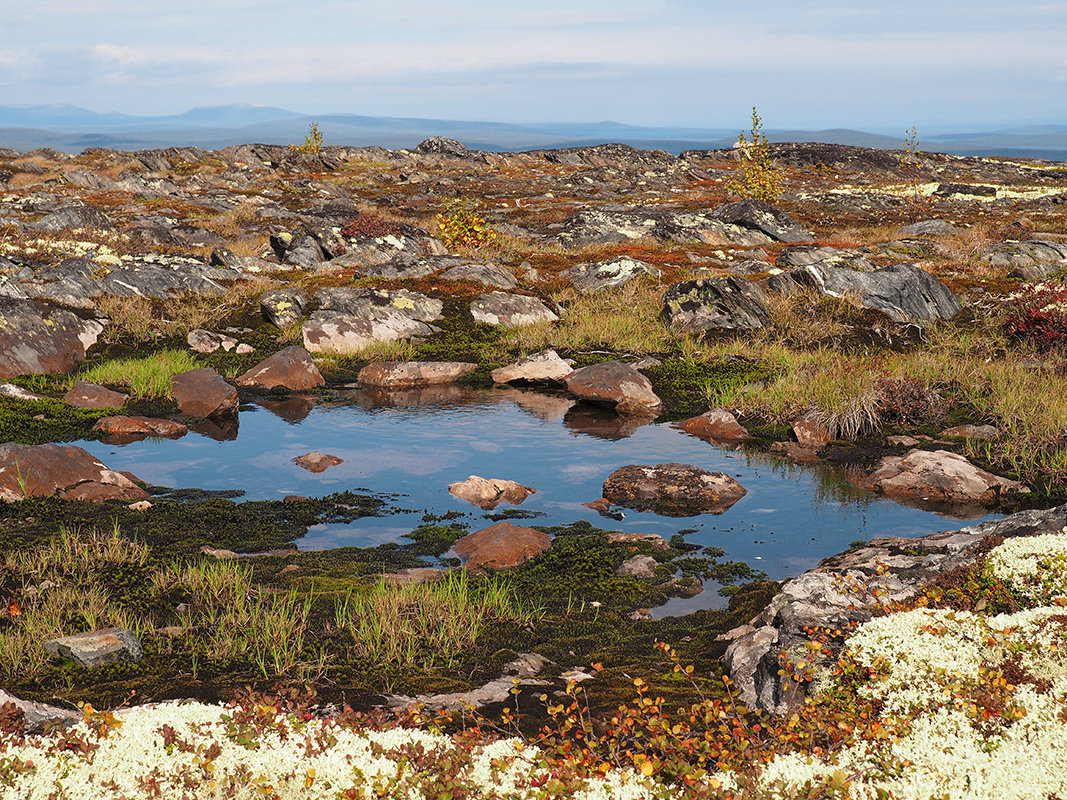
434,540
43,421
685,385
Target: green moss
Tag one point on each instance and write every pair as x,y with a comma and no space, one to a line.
42,421
434,540
684,385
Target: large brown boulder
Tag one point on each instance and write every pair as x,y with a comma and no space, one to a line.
500,546
673,490
43,470
38,339
938,477
291,368
203,393
409,374
617,384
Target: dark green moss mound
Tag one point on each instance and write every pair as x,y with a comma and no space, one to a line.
685,385
44,421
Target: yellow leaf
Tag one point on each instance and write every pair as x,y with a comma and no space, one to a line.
647,768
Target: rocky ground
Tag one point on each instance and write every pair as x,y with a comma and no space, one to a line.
893,312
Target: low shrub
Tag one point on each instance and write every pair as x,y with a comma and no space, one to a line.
460,225
1039,314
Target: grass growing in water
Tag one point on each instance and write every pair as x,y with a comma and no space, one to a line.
148,377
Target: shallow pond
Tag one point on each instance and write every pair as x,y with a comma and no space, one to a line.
415,443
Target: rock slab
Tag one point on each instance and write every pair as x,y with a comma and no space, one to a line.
96,648
938,476
291,368
617,384
409,374
488,493
673,490
43,470
500,546
203,393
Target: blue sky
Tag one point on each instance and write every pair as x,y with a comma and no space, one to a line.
805,64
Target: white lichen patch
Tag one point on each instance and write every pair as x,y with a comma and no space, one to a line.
1035,565
204,751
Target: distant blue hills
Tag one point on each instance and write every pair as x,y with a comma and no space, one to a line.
72,129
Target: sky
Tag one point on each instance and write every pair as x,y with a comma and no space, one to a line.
882,66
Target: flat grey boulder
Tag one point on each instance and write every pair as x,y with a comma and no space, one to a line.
44,470
203,393
485,274
902,292
616,384
608,274
38,339
96,648
715,304
1032,259
766,219
802,255
510,310
613,225
204,341
291,368
672,490
488,493
410,374
73,218
938,476
349,319
545,367
370,241
928,227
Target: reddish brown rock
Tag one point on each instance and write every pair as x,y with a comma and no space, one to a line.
317,462
544,367
633,537
43,470
617,384
717,425
203,393
938,476
796,452
141,426
673,490
90,395
500,546
971,432
38,339
409,374
810,431
95,492
291,368
488,493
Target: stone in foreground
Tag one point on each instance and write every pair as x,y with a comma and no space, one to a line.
510,310
672,490
43,470
409,374
938,476
544,367
488,493
38,339
617,384
291,368
500,546
96,648
203,393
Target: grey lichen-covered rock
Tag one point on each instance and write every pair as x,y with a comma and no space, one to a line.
803,255
639,566
443,146
351,318
673,490
608,274
74,217
485,274
510,310
764,218
1031,253
283,307
38,339
96,648
928,227
616,384
902,292
851,588
710,304
938,476
545,367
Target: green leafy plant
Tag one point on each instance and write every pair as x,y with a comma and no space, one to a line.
460,225
313,142
759,177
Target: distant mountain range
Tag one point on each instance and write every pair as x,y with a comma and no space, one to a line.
72,129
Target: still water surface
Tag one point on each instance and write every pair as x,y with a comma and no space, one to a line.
416,443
